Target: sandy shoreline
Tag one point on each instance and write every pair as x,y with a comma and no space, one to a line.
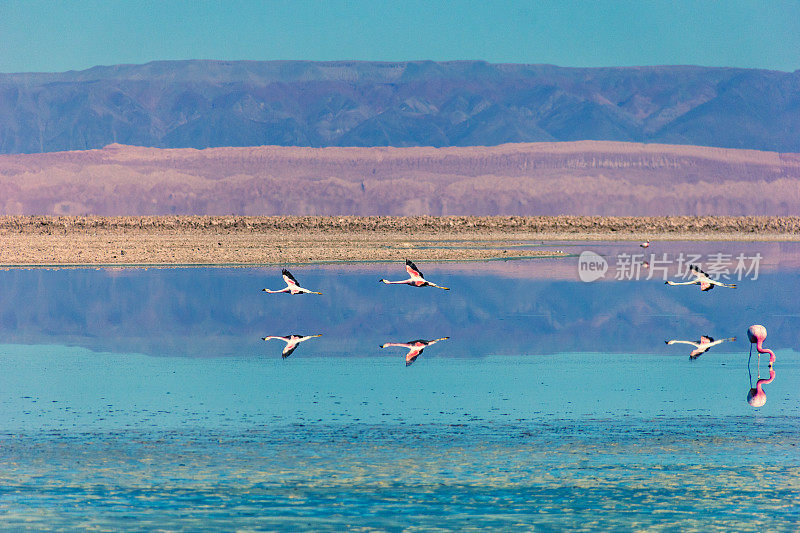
232,240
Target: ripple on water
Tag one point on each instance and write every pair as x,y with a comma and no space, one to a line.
331,477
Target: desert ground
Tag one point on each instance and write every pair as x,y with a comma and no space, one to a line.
235,240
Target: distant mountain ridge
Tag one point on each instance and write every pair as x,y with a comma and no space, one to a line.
200,104
575,178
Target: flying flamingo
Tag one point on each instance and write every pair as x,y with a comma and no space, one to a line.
701,347
701,278
645,244
414,347
291,342
416,279
291,286
756,334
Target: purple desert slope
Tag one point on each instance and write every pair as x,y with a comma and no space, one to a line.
576,178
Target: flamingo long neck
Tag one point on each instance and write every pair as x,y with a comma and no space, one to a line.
765,350
765,381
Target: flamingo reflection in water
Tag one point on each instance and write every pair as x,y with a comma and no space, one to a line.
701,346
292,341
414,347
756,396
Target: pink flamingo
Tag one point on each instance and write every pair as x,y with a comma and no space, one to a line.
645,244
291,342
414,347
702,279
702,346
756,396
757,333
292,286
416,279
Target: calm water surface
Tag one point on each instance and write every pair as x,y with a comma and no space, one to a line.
141,399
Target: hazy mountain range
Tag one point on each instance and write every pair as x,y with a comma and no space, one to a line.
579,178
200,104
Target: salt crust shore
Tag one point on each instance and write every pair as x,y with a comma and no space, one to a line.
234,240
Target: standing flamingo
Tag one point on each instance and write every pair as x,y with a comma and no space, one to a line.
701,278
645,244
414,347
756,334
702,346
292,286
291,342
756,395
416,279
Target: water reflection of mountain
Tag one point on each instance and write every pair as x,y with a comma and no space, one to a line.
207,312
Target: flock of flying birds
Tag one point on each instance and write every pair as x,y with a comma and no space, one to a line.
756,334
415,347
706,342
416,279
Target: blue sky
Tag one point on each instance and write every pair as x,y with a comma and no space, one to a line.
72,35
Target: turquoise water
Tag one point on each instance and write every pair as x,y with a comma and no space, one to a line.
145,399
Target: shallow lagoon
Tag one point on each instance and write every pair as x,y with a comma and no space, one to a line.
142,398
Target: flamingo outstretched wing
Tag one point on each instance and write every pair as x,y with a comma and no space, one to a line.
705,339
701,278
289,348
695,271
412,270
412,355
289,279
